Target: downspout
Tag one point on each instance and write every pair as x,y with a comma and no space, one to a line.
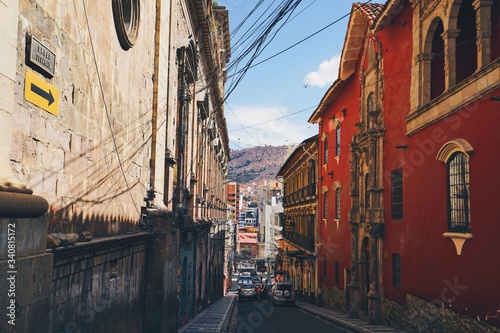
169,55
151,208
154,117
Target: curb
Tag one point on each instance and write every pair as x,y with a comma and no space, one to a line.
332,319
232,325
228,316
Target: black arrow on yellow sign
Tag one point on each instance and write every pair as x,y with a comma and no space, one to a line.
42,93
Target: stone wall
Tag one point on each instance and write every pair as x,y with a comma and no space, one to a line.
99,286
422,316
333,299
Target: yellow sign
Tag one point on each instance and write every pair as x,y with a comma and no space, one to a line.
41,93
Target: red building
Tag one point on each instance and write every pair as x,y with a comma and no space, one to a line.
408,147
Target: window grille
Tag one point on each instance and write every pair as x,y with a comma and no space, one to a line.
325,205
458,193
396,271
397,194
337,140
337,204
325,151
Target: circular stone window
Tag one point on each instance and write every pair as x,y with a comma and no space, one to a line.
126,16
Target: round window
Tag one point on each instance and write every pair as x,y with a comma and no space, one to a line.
126,16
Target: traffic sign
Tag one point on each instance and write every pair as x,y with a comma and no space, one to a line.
41,93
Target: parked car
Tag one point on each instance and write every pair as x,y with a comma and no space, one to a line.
249,270
244,280
282,293
247,291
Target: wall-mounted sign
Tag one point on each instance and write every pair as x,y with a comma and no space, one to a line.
40,56
41,93
289,226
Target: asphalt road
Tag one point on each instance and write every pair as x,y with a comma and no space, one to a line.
262,317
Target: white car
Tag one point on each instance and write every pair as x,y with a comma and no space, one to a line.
282,293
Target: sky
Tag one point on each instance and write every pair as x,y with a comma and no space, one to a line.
272,102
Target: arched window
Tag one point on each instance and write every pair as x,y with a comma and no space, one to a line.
325,150
466,51
437,62
126,14
456,156
337,140
458,193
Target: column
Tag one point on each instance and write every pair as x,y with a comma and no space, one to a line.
450,59
353,306
483,26
374,299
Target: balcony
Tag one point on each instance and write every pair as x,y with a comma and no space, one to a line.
300,240
305,194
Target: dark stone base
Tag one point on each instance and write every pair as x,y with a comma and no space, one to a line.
22,205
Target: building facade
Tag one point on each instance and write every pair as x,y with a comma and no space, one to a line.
298,251
112,128
422,80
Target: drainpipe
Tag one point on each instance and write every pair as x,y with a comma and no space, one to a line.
151,209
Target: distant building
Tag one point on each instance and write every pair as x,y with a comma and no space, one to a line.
298,249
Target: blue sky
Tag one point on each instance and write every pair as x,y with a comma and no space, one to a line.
274,100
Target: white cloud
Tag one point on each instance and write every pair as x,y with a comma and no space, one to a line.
259,126
327,72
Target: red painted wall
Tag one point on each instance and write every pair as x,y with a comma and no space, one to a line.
432,258
336,241
396,41
430,266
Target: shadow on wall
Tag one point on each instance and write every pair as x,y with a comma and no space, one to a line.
99,225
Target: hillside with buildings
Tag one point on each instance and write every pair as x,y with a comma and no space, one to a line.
257,163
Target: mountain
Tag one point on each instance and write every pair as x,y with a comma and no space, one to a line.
255,164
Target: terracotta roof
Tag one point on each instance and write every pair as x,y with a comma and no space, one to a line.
371,11
391,10
362,15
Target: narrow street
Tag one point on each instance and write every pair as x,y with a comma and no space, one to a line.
261,316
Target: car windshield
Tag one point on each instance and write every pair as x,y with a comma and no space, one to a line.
284,287
245,281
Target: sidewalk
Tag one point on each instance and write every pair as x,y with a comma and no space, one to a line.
222,316
341,319
214,319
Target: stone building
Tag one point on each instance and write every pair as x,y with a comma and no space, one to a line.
298,249
113,136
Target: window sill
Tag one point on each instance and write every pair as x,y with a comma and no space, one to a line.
337,221
458,239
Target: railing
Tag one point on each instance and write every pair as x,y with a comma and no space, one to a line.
304,194
299,239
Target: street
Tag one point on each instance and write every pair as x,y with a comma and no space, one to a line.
261,316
